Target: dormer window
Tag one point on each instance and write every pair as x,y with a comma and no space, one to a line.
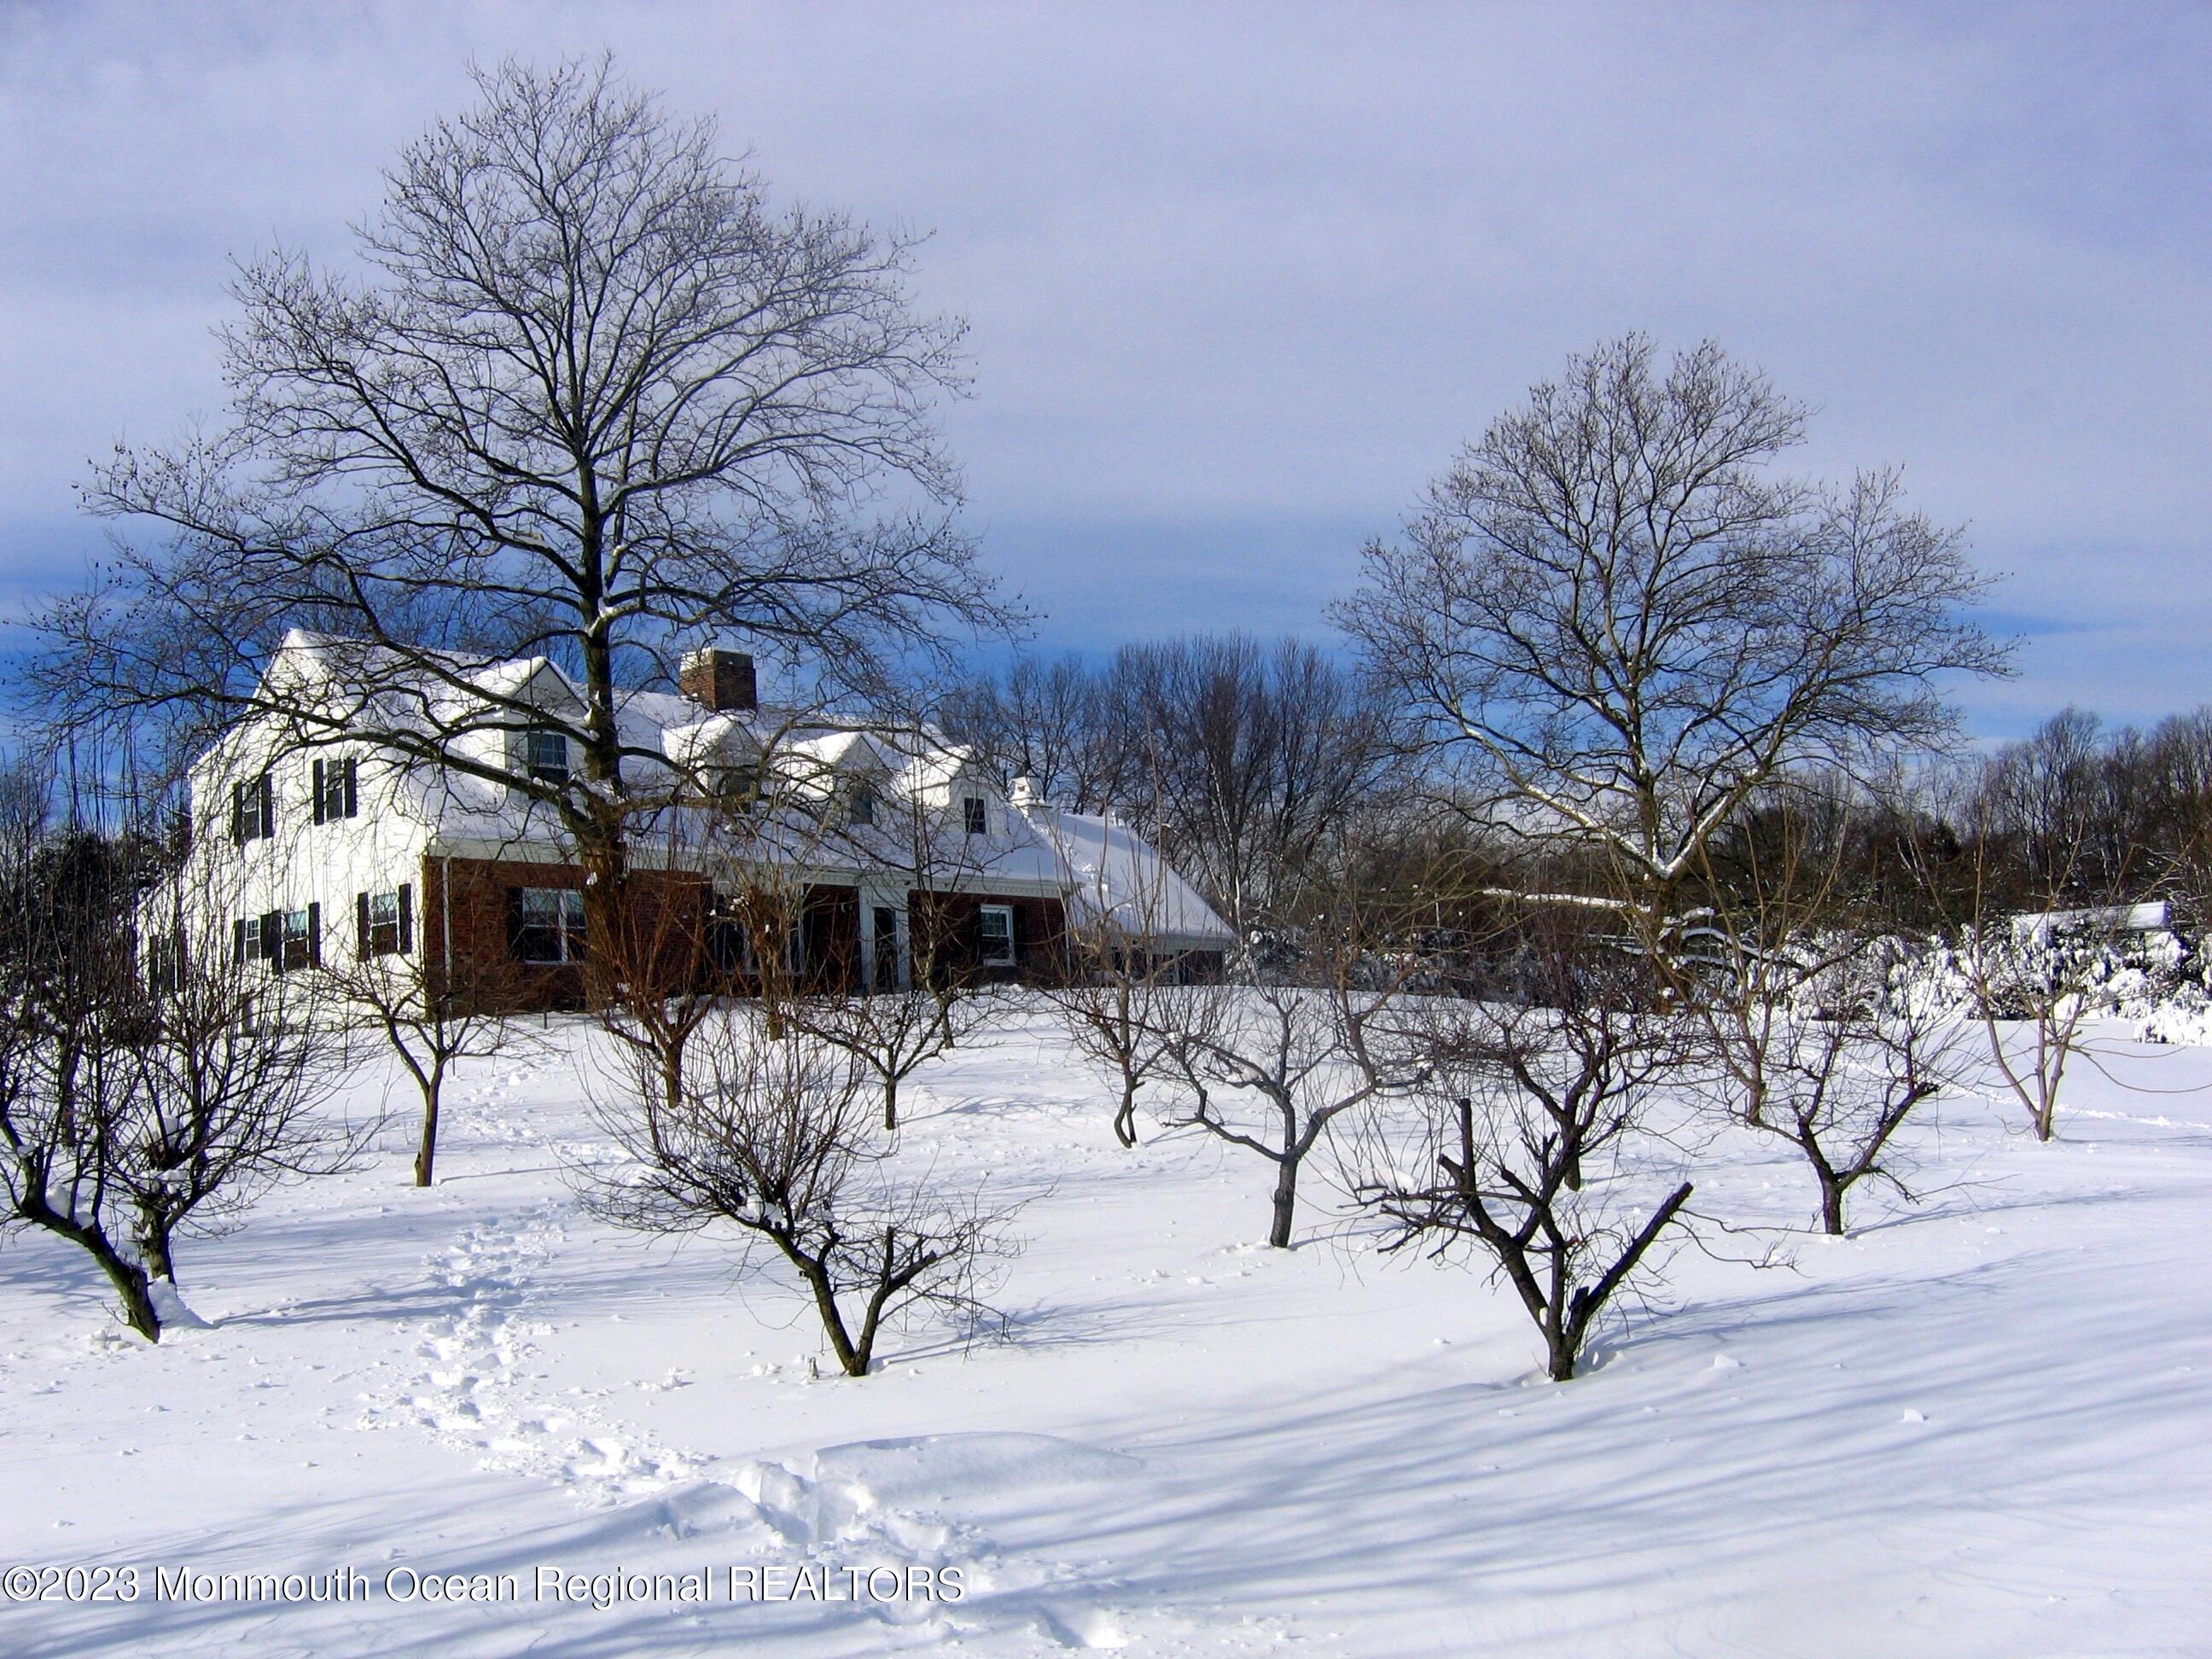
737,786
546,754
973,815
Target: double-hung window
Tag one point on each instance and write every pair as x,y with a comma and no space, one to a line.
995,934
337,793
861,804
546,754
973,815
384,922
254,810
165,963
547,924
301,945
285,939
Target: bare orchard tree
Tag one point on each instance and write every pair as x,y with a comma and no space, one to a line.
1125,998
238,1067
1816,1034
431,1011
592,397
921,989
2034,932
1521,1148
1617,623
1832,1055
771,1134
1271,1065
152,1082
71,1010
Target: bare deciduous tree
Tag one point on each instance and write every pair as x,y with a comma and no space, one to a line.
152,1083
594,398
237,1067
1246,762
921,991
1271,1065
1617,623
69,1078
2034,925
1123,998
1519,1150
1814,1037
771,1134
431,1013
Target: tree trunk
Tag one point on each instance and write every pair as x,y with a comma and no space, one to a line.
1286,1202
134,1286
426,1154
154,1230
1832,1205
1125,1120
853,1361
890,1104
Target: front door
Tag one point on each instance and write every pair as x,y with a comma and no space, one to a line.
884,929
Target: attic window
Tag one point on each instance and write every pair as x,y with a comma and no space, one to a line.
863,803
254,810
972,814
545,755
336,790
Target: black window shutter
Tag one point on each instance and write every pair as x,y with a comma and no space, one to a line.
272,938
1014,932
352,795
315,934
268,805
406,919
238,814
238,940
361,923
318,797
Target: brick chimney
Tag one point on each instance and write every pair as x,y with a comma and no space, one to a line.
719,679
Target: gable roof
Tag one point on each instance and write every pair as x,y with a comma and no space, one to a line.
1104,870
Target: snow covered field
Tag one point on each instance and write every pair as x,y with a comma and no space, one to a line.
1984,1426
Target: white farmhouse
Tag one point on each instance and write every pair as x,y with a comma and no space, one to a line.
307,842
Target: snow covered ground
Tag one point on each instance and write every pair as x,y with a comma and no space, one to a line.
1984,1426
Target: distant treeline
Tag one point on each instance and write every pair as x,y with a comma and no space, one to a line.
1271,774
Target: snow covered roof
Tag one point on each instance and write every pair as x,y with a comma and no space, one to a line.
1115,875
1104,869
2101,919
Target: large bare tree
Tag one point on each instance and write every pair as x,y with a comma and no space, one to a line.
1620,621
586,394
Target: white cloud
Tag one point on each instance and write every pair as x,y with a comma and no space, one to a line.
1274,264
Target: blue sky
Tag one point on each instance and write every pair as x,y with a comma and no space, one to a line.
1240,280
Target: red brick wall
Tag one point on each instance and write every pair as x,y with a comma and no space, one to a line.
1040,929
477,912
